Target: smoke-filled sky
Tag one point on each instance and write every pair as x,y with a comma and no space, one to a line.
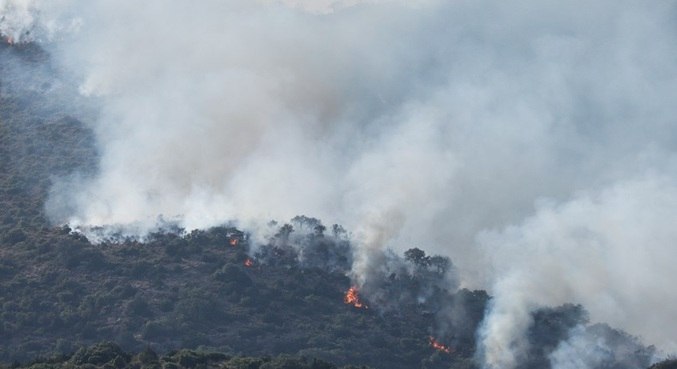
534,142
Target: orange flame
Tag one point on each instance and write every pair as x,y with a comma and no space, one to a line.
10,40
352,298
248,262
439,346
233,242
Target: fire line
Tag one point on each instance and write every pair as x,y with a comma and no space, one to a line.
352,298
439,346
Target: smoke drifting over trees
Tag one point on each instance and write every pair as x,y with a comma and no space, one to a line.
533,142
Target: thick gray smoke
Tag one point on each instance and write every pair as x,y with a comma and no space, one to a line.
531,141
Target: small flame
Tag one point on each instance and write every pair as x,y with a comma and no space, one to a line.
233,242
439,346
352,298
248,262
10,40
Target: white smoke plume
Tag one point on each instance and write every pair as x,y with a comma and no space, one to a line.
35,20
580,351
531,141
612,251
595,347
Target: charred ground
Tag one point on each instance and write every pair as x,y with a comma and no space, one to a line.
192,290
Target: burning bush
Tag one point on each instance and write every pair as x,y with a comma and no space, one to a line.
352,298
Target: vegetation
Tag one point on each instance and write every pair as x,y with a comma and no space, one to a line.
209,292
667,364
110,356
60,292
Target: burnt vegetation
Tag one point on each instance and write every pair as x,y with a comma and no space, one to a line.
213,295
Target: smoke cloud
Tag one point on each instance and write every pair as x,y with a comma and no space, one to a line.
532,142
611,251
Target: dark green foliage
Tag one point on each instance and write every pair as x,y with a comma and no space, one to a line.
667,364
206,297
417,257
100,354
551,326
110,356
14,236
38,143
148,357
623,350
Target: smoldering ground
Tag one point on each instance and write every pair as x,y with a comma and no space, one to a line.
533,142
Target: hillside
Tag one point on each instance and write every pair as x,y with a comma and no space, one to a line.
60,292
39,138
215,290
109,355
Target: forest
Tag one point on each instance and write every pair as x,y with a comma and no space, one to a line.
215,298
